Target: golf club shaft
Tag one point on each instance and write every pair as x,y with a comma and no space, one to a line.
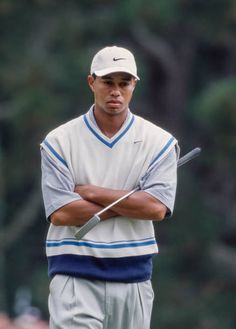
186,158
96,218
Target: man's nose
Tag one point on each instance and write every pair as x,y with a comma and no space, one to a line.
115,92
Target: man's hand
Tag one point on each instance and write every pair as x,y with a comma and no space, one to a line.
138,205
79,212
88,191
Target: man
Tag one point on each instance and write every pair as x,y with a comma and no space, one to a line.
103,280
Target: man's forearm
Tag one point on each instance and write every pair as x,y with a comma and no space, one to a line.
138,205
78,213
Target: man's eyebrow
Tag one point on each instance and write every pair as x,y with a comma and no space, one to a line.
108,77
128,78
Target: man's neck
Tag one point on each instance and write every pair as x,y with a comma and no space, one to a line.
109,124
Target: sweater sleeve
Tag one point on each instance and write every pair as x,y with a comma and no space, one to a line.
162,180
57,184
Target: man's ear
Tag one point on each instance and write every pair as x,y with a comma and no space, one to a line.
135,82
91,82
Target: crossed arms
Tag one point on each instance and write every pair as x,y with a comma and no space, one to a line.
70,205
94,198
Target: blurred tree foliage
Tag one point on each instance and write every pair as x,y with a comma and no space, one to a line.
186,56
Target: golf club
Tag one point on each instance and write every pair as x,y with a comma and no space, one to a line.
93,221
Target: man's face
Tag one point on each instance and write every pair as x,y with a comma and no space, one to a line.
112,92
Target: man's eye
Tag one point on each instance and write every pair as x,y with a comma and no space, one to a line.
108,83
124,84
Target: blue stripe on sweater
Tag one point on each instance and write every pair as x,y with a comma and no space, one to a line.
162,150
99,137
126,269
51,244
54,152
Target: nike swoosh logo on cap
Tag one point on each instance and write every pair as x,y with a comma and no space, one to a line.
118,59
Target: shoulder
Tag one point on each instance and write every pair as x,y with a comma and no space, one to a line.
65,128
149,128
59,141
155,138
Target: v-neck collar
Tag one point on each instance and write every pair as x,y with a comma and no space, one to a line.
90,122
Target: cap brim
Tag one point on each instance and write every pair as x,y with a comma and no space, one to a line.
101,73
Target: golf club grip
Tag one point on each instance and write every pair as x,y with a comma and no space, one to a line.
96,219
92,222
87,226
189,156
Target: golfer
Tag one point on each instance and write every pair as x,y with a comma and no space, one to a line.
103,281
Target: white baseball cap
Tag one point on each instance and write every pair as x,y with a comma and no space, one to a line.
113,59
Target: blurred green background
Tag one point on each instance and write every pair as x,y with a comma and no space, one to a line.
186,56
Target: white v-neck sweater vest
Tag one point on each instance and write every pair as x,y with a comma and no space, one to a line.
119,249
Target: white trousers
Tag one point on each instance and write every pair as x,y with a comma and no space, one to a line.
84,304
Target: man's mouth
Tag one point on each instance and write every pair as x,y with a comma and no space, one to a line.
114,103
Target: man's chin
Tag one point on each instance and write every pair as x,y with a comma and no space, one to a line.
114,110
